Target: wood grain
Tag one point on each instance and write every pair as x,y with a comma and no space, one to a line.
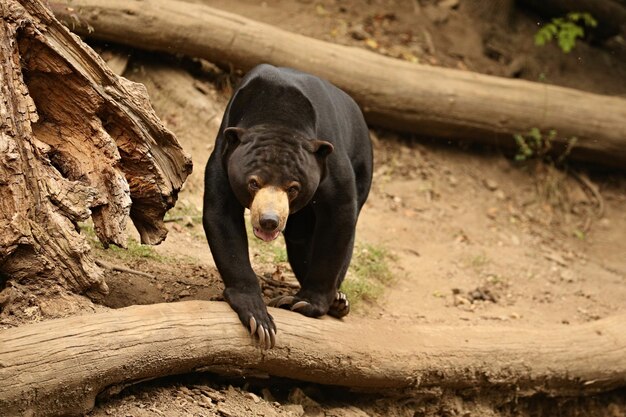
59,366
428,101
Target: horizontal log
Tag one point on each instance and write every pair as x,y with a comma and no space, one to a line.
59,366
428,101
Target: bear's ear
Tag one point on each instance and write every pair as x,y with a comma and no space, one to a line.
321,148
232,138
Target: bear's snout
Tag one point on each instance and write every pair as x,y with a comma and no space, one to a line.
268,212
269,221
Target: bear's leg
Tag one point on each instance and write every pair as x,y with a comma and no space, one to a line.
226,233
298,239
331,244
340,306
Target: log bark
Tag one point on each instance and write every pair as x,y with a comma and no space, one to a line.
59,366
395,94
76,142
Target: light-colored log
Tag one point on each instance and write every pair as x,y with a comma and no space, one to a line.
59,366
428,101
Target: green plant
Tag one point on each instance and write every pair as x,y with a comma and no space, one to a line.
134,250
565,29
536,144
368,273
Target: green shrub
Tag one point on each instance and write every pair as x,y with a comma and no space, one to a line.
565,29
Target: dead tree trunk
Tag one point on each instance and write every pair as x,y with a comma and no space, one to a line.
59,366
76,141
395,94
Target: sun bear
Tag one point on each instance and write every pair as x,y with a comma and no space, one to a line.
296,151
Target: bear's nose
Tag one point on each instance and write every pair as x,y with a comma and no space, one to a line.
269,221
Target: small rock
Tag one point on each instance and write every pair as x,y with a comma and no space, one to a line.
267,395
490,184
500,195
358,33
555,257
482,294
226,411
568,276
436,14
449,4
184,293
188,221
294,409
253,397
453,180
214,395
297,396
205,402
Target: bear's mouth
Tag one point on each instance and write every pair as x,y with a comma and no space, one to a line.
266,236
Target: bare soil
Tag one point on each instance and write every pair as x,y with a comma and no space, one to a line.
475,236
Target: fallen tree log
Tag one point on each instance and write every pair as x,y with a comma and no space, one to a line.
395,94
76,142
59,366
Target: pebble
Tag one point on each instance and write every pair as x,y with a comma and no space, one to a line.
449,4
253,397
491,184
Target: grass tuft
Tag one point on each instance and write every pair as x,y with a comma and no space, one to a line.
368,274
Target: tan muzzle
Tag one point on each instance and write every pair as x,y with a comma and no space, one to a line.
269,211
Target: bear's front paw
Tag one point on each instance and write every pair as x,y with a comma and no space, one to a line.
340,307
309,305
253,314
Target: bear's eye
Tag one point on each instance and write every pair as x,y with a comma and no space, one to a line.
293,191
253,184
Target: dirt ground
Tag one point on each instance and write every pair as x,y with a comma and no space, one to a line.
472,235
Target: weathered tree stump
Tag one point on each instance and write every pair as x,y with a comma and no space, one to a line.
76,142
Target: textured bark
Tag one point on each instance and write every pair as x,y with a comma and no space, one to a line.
399,95
59,366
76,141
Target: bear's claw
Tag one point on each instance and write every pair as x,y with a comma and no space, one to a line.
281,300
267,339
340,307
299,305
253,315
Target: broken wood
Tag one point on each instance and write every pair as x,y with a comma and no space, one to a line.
425,100
59,366
76,142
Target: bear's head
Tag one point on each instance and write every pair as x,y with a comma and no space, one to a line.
273,171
